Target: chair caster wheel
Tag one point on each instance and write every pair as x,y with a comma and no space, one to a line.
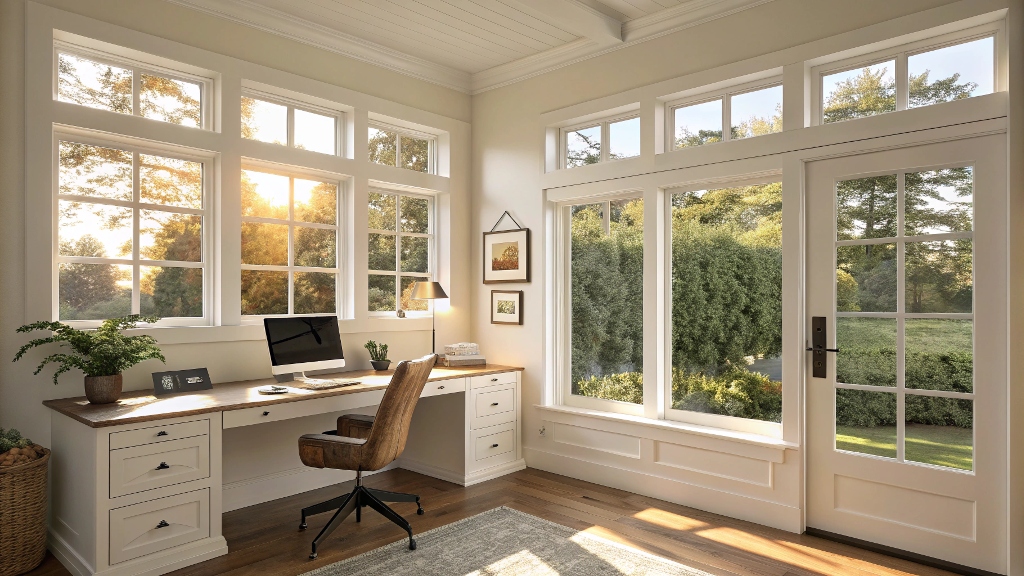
302,526
412,544
312,556
419,512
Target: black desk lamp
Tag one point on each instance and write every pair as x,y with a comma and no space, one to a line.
429,291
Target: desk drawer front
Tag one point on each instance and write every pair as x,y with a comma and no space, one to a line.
492,447
152,466
493,380
159,524
155,434
444,387
492,406
287,410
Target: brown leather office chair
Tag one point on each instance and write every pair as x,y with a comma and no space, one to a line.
367,443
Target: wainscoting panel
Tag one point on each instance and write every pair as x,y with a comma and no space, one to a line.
719,464
620,444
933,512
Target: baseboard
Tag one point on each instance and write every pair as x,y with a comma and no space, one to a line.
432,471
718,502
150,565
495,472
262,489
67,556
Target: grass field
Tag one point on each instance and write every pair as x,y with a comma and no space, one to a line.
939,445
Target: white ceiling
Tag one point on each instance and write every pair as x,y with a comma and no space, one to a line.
470,45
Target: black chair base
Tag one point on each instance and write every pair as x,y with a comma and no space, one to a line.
355,501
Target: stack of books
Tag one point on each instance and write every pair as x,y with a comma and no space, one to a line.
463,354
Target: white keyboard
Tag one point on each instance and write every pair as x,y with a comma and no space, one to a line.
324,383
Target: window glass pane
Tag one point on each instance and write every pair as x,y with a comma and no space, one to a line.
756,113
939,277
95,230
316,201
866,422
315,132
264,244
94,291
382,211
866,208
315,247
381,294
264,195
698,124
727,301
858,93
415,215
264,121
171,292
87,170
407,302
583,147
867,351
382,252
624,139
264,292
952,73
415,154
169,100
866,278
607,303
170,236
170,181
939,201
314,293
94,84
383,146
940,354
414,254
940,431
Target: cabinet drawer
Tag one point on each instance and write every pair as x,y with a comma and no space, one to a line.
492,380
158,434
159,524
288,410
152,466
485,453
444,387
492,406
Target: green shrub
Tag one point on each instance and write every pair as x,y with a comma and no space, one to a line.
625,387
733,392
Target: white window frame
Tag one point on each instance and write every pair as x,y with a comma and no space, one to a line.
725,95
138,68
605,123
900,54
431,236
292,105
136,147
408,133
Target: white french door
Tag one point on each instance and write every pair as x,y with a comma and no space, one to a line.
906,433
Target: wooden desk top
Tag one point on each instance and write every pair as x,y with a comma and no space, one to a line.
143,406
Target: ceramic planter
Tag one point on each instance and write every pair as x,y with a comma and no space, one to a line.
103,389
380,365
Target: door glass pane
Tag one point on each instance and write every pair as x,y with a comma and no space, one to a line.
315,247
866,422
95,171
94,84
607,302
170,100
264,195
171,292
264,244
94,291
315,132
867,351
866,278
382,252
756,113
727,301
858,93
952,73
866,208
264,292
940,431
316,201
170,181
383,146
939,276
415,154
264,121
381,293
624,139
940,354
407,302
415,215
939,201
583,147
170,236
314,293
382,211
698,124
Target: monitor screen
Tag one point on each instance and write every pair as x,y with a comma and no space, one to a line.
303,340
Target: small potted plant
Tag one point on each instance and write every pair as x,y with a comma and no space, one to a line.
102,354
378,355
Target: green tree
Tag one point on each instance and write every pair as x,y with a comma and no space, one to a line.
586,151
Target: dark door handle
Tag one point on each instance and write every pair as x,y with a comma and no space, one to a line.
163,524
809,349
162,433
163,466
266,413
494,445
494,403
819,341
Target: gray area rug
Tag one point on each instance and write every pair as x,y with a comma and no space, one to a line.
505,542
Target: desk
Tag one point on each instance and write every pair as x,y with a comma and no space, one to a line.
136,485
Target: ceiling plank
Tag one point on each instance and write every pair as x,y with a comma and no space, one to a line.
578,18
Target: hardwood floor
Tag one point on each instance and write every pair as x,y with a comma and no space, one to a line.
264,539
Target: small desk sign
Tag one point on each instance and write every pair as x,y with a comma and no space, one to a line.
181,381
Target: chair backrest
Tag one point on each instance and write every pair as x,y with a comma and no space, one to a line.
390,429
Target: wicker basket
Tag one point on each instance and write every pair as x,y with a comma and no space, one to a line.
23,516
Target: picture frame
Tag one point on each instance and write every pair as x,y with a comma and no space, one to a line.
180,381
507,256
507,307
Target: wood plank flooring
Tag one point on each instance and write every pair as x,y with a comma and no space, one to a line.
264,539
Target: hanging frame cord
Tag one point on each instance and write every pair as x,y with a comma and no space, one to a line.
503,214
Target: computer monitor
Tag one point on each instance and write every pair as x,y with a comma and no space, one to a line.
304,343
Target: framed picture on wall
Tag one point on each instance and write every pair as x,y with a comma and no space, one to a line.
506,306
507,256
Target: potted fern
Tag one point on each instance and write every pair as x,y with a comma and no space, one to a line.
102,354
378,355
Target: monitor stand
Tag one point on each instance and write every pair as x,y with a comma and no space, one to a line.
290,377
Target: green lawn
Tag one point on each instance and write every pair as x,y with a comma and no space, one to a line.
940,445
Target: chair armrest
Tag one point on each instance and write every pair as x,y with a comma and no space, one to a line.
327,451
355,425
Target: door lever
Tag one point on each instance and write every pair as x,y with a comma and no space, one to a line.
818,347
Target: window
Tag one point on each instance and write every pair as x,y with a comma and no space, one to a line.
404,149
752,112
606,255
602,141
932,75
289,244
131,233
102,82
278,122
401,241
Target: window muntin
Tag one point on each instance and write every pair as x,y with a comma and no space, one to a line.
748,111
276,121
400,250
290,238
405,149
612,139
131,233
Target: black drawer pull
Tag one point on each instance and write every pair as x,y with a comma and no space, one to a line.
163,466
494,403
494,445
266,413
162,433
494,379
163,524
440,387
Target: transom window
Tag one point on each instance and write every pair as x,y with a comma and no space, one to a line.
602,141
747,111
280,122
289,244
401,245
392,146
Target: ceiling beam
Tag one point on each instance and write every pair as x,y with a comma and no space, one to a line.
578,18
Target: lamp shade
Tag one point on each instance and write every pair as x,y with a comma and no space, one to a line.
427,291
